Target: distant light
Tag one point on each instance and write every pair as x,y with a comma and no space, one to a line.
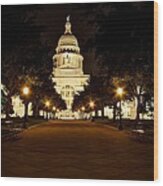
119,91
83,108
54,108
91,104
47,103
26,90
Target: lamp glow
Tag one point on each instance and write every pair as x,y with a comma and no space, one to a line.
26,90
120,91
92,104
83,108
47,103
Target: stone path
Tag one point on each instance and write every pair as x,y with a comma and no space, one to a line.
77,149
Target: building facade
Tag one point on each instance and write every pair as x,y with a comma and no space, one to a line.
17,103
68,72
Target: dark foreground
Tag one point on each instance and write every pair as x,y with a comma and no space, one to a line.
77,149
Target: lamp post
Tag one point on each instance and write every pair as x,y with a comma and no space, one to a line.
120,94
92,106
83,108
47,104
54,110
26,92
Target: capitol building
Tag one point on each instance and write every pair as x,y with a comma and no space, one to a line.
69,77
70,80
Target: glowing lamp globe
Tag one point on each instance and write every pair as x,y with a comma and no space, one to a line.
26,90
83,108
119,91
47,103
92,104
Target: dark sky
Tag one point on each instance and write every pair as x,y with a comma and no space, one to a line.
113,27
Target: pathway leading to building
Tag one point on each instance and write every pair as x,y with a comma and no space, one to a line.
77,149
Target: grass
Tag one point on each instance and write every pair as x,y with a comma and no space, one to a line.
18,122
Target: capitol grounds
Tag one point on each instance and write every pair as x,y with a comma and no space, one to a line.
94,149
113,67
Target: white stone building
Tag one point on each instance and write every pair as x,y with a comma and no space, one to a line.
128,111
68,69
18,106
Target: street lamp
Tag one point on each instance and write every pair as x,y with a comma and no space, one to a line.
54,110
120,93
83,108
26,92
92,106
47,104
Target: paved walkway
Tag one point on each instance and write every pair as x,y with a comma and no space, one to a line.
77,149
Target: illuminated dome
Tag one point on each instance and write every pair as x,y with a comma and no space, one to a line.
68,42
68,39
68,74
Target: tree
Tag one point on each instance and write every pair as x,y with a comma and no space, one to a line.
93,92
16,41
25,59
123,42
140,87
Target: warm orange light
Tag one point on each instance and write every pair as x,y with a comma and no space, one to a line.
91,104
54,108
47,103
119,91
26,90
83,108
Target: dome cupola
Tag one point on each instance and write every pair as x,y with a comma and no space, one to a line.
68,42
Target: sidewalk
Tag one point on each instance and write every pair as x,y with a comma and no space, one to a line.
77,150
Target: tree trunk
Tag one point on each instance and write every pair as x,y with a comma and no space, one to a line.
36,109
26,111
25,114
138,108
96,112
7,111
102,111
8,107
44,113
137,111
114,111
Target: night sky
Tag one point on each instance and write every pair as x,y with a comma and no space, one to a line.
116,28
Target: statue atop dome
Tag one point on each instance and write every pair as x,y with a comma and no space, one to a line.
68,18
68,25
